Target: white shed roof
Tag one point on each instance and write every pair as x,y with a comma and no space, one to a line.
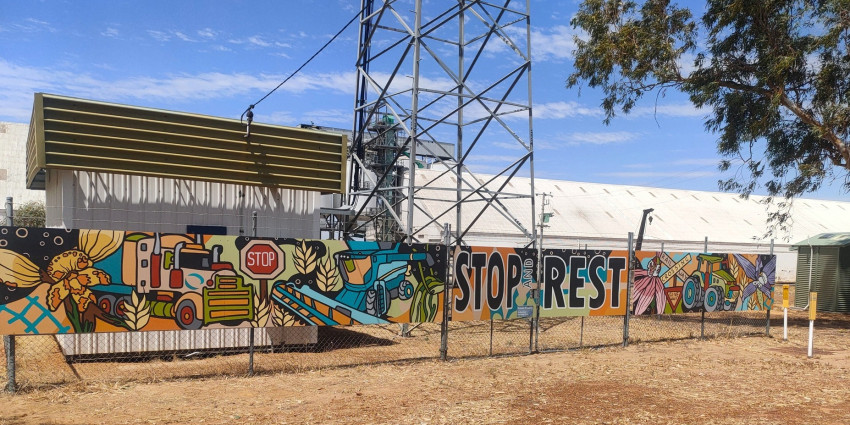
593,211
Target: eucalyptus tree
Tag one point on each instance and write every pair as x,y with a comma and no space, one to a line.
773,76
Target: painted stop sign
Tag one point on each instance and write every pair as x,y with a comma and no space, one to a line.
261,259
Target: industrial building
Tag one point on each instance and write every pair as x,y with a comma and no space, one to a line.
584,214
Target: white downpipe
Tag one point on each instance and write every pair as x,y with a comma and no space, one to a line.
785,324
811,335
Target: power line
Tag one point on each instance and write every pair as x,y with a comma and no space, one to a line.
249,112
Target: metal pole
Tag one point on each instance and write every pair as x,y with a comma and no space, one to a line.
447,299
11,384
9,340
767,321
536,319
581,334
10,212
702,313
414,115
251,331
626,318
491,337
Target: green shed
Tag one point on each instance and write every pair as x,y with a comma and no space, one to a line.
823,266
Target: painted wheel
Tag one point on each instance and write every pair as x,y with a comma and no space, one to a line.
405,290
186,315
712,299
120,306
106,303
371,295
691,294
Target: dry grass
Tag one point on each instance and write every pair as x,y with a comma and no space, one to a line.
750,380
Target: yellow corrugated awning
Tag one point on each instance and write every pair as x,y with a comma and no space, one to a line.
79,134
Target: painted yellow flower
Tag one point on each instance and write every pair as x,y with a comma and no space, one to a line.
73,273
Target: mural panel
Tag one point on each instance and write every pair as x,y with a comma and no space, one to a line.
579,282
493,283
681,282
62,281
498,283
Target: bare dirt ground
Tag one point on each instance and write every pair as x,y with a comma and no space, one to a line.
748,380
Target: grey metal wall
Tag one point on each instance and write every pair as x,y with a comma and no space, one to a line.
829,268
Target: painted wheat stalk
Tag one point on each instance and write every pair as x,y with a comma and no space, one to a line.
328,276
138,312
262,310
305,258
282,318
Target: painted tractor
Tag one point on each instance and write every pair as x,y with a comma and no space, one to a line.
709,287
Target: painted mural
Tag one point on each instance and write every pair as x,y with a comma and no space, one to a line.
63,281
682,282
584,282
493,283
79,281
499,283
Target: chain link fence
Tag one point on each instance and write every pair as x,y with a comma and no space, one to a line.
46,360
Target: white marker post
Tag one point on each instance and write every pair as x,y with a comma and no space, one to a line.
813,309
785,303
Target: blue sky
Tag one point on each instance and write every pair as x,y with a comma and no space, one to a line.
217,57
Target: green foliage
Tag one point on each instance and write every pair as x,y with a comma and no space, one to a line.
30,214
424,305
773,76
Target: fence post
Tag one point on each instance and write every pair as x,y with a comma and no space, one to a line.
9,340
447,290
767,321
702,313
251,331
631,275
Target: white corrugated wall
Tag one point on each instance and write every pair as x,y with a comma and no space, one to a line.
90,200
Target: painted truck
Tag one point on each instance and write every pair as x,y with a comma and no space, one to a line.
372,279
709,286
181,279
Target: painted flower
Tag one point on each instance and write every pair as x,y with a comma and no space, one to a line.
761,274
72,273
648,286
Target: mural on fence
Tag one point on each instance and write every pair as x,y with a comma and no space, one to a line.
578,282
493,283
498,282
681,282
60,281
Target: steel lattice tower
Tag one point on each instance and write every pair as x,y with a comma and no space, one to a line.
454,76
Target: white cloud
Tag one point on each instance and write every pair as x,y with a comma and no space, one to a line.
560,110
258,41
602,138
696,161
159,35
111,32
328,116
668,110
277,117
29,25
554,43
207,33
183,36
18,83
